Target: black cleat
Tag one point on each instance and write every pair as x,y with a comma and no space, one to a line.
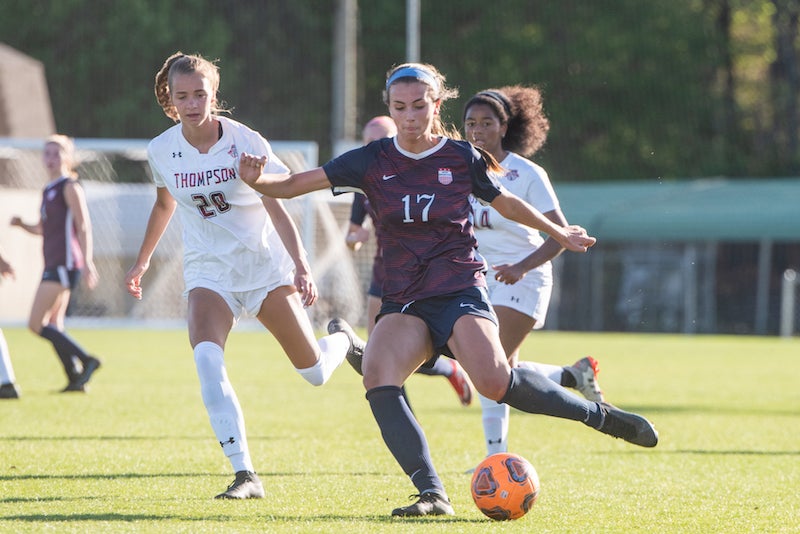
91,365
9,391
429,503
356,352
629,426
246,485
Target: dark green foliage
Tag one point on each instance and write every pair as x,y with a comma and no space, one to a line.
634,89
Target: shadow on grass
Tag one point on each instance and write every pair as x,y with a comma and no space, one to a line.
102,438
205,437
650,409
736,453
133,476
267,518
710,452
66,518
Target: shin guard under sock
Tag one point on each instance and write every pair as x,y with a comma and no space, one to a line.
404,437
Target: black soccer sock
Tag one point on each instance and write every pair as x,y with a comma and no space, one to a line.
66,349
533,392
404,437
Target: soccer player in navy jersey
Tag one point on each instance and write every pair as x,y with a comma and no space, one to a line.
378,128
66,231
434,295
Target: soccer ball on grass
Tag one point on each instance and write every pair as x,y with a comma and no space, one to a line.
504,486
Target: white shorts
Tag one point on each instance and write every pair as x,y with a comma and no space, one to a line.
249,301
243,278
529,296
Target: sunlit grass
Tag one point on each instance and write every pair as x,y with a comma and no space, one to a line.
136,454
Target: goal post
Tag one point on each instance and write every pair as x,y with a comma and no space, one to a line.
789,285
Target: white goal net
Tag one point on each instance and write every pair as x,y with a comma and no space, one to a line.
120,195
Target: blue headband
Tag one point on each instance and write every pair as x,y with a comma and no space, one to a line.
413,72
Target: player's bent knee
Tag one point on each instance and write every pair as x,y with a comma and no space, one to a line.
491,388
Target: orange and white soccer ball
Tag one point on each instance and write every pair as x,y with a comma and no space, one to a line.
504,486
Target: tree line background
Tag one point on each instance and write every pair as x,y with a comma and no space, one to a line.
635,89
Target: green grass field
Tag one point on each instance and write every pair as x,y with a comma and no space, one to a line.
136,454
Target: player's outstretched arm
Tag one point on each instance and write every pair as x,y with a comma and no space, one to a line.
570,237
511,273
35,229
251,170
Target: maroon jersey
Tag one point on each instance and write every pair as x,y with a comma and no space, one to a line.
60,242
421,213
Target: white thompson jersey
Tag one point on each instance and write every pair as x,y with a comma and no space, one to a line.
228,237
501,240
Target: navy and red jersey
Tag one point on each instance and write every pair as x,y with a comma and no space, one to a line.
59,240
422,213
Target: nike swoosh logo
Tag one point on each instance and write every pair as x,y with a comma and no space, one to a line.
388,177
467,305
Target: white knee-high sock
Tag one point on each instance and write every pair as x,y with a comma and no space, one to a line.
553,372
495,425
332,350
6,371
222,406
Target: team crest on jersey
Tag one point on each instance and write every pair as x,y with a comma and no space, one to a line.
233,152
512,175
445,176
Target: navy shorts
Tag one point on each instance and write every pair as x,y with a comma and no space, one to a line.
68,278
441,313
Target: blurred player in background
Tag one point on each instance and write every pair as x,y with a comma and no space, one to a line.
510,123
8,388
66,232
242,251
378,128
434,297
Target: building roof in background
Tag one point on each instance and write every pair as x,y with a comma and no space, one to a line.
692,210
25,109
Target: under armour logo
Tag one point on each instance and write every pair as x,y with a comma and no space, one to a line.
494,442
229,441
514,299
177,155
